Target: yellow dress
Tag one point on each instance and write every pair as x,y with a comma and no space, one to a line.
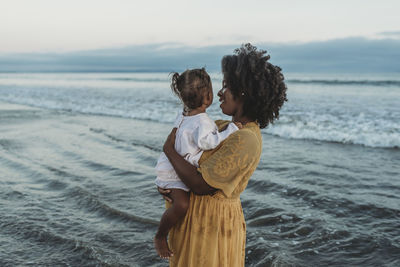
213,232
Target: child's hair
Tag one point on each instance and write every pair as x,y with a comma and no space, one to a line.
191,87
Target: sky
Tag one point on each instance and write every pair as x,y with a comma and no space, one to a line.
74,25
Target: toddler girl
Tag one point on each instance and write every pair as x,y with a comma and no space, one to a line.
195,132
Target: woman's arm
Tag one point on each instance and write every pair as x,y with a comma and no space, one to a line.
186,171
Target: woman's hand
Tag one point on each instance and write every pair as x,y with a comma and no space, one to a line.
165,194
238,124
170,142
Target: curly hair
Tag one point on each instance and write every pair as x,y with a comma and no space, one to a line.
191,86
258,83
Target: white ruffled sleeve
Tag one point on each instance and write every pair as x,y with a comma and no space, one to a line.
178,120
207,136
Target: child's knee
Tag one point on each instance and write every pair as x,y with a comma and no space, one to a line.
182,207
181,201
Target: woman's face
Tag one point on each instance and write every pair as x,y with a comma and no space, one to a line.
229,105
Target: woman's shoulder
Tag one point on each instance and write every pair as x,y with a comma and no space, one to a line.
248,138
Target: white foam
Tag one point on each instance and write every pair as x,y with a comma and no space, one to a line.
368,117
360,130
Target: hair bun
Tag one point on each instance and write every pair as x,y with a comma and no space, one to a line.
174,83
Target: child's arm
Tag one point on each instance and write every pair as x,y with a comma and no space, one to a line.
238,124
208,138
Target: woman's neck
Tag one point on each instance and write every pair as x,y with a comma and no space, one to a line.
242,119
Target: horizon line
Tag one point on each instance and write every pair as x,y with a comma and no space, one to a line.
386,36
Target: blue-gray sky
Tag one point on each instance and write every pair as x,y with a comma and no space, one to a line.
338,56
72,25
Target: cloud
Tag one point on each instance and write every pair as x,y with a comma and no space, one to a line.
340,55
390,34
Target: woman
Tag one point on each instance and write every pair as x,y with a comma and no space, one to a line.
213,232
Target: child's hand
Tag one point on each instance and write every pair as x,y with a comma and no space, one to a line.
238,124
165,194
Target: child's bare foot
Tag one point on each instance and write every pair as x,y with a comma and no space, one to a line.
162,248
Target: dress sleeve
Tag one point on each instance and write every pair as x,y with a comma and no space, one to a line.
234,160
208,137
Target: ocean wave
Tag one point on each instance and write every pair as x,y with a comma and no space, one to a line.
383,83
165,78
377,128
89,201
369,132
128,79
368,117
117,139
75,251
267,220
352,136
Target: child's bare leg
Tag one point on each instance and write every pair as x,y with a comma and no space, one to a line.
171,217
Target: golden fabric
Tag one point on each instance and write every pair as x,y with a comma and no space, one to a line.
213,232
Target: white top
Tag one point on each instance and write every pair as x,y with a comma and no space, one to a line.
194,135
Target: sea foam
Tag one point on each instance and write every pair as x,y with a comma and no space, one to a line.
344,111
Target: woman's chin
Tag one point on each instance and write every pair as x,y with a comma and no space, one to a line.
224,112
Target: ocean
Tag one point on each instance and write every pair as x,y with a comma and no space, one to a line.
77,157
